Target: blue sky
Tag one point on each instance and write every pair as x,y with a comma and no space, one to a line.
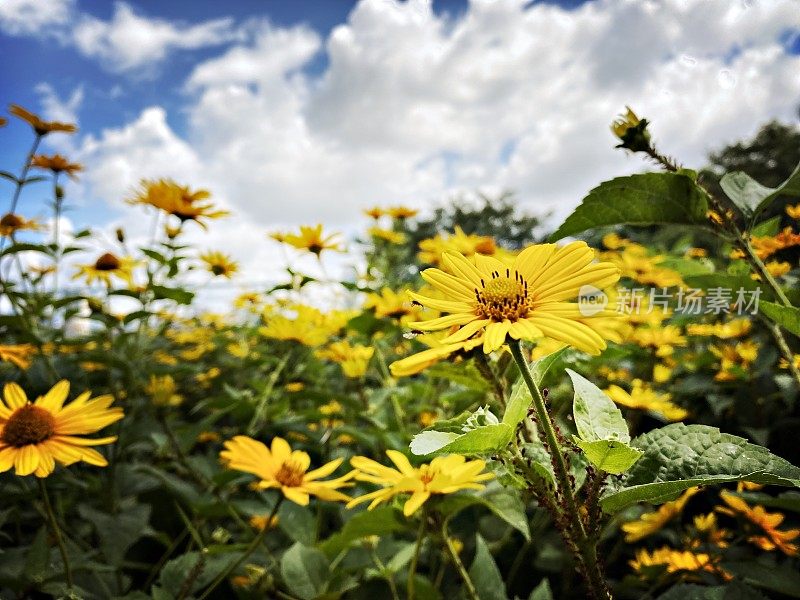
297,112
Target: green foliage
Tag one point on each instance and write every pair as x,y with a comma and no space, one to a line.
678,456
638,200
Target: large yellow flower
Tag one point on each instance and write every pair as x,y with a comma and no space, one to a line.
105,268
526,300
177,200
40,126
444,475
34,436
281,467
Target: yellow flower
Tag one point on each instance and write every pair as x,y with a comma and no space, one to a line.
281,467
651,522
374,213
772,537
709,532
624,122
40,126
207,437
354,359
696,253
662,373
793,211
401,212
163,391
105,267
219,264
427,418
642,397
662,339
411,365
735,359
177,200
731,329
11,223
249,300
393,237
775,268
308,325
311,239
631,131
444,475
3,121
17,354
204,379
528,300
57,164
262,522
673,561
294,386
389,304
634,261
432,249
784,364
36,435
766,246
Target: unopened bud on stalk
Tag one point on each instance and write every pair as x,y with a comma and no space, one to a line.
632,132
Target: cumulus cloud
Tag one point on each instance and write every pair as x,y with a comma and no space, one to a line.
130,41
415,106
34,17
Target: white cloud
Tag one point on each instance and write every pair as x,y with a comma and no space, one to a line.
130,41
34,17
414,107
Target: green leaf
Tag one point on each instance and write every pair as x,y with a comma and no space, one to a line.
752,197
298,522
596,415
504,503
118,532
381,521
485,575
608,455
678,456
787,317
520,400
542,591
37,561
305,571
174,574
481,440
178,295
768,575
769,227
642,199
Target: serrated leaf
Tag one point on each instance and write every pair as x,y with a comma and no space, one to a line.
596,415
678,456
787,317
520,399
643,199
485,575
608,455
481,440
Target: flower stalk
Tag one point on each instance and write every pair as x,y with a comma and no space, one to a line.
55,530
568,509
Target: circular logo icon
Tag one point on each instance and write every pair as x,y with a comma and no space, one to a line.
591,300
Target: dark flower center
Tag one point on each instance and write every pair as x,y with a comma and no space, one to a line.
290,474
28,425
107,262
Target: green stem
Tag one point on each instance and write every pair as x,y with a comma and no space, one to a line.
451,551
412,569
56,530
257,541
389,577
587,551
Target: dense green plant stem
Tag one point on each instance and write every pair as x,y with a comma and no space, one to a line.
257,541
55,529
462,571
571,511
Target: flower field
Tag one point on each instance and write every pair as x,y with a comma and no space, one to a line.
606,409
